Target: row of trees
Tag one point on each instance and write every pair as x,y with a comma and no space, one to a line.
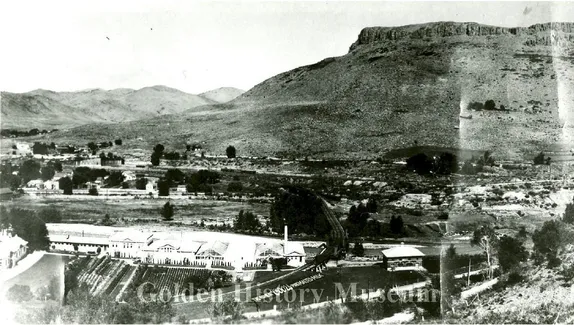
199,181
94,147
300,210
159,152
19,133
488,105
247,222
447,163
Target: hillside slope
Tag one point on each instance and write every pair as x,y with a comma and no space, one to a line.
396,87
222,95
48,109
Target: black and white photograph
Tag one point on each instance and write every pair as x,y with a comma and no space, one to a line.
286,162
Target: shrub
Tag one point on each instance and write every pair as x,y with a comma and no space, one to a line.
235,187
19,293
231,152
489,105
141,183
118,142
569,213
510,253
93,191
167,212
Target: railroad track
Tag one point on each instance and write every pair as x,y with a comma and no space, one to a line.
339,238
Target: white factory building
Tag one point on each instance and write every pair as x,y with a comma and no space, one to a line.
201,248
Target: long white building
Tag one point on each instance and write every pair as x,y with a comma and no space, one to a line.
201,249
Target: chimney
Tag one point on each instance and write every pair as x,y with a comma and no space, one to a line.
285,239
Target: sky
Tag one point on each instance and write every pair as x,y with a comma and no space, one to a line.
196,46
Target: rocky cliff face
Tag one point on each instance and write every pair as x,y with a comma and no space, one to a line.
539,34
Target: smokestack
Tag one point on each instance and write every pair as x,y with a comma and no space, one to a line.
285,239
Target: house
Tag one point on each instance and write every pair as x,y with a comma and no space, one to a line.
181,189
88,162
5,193
129,176
22,149
402,257
150,187
115,161
52,185
128,244
12,249
36,183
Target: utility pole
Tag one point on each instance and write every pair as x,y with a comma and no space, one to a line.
468,278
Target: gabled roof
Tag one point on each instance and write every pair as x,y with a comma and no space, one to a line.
10,244
268,249
130,236
5,190
216,248
402,251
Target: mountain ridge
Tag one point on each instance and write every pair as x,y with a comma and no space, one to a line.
42,108
392,92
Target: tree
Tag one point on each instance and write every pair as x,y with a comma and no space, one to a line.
396,224
357,220
231,152
56,164
568,216
40,148
115,179
510,253
490,105
93,147
141,183
486,159
167,212
446,164
47,172
30,170
420,163
66,184
486,238
547,241
107,221
235,187
118,142
372,205
157,154
358,249
301,210
174,176
373,228
50,215
163,187
539,159
247,221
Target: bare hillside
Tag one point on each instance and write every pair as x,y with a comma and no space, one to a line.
44,108
396,87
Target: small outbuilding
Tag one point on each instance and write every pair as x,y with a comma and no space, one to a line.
401,258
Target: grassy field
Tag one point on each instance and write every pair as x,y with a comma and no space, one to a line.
123,209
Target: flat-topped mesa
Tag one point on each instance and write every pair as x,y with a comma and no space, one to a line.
446,29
